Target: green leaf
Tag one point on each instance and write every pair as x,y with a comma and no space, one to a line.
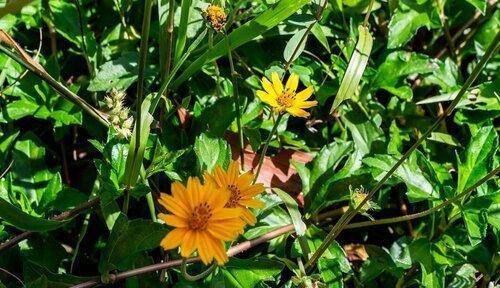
17,218
356,67
127,240
293,210
432,274
295,45
241,35
419,188
408,18
479,4
477,213
118,74
246,273
215,119
212,152
478,157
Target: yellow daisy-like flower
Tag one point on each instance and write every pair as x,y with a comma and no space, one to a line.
201,221
239,188
286,99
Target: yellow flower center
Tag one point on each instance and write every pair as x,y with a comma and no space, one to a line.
235,197
286,99
200,216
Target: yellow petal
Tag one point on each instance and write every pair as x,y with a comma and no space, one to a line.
173,238
232,172
173,220
253,203
278,86
267,98
266,84
245,179
292,83
193,190
307,104
297,112
249,217
220,177
304,94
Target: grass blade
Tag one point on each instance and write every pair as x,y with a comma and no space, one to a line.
243,34
356,67
182,30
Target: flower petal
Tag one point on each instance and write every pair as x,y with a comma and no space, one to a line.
268,86
225,213
176,207
179,192
222,233
304,94
203,249
219,252
249,217
292,83
267,98
253,190
307,104
173,220
173,238
253,203
189,243
297,112
278,86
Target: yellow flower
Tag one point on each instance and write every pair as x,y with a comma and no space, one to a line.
240,189
216,16
286,99
201,221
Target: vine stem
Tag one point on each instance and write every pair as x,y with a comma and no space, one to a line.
196,277
426,212
234,79
346,218
173,263
266,145
65,215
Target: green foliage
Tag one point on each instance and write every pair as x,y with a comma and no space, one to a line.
382,73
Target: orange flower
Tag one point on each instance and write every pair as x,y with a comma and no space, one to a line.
240,189
201,220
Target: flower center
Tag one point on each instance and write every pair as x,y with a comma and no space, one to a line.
235,197
286,99
200,216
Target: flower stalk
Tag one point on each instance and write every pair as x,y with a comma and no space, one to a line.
266,145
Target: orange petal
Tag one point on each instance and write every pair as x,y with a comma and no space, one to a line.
188,244
176,207
173,220
254,203
219,252
226,213
203,249
249,217
173,238
222,233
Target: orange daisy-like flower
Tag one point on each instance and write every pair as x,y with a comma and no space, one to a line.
240,189
201,221
286,99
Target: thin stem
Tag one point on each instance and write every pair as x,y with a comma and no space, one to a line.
240,248
426,212
196,277
216,67
234,79
60,88
126,200
65,215
446,30
143,53
264,150
344,220
170,36
367,16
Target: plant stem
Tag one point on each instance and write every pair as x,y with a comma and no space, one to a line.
60,88
344,220
143,53
367,16
234,79
196,277
426,212
264,150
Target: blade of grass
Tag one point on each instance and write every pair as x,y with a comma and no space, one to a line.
182,29
355,69
248,31
347,217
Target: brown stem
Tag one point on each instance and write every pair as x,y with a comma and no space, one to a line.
64,215
159,266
